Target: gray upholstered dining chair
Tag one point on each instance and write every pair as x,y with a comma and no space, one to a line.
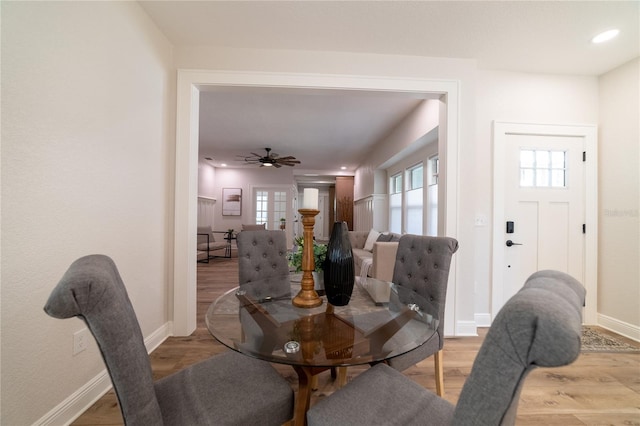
263,271
263,268
540,326
229,388
422,264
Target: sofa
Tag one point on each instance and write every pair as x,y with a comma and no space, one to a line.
380,260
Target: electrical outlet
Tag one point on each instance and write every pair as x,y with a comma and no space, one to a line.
80,340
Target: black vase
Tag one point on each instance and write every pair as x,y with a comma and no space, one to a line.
338,266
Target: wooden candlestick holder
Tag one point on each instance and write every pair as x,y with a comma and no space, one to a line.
307,297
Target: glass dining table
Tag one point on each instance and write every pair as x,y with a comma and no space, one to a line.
381,321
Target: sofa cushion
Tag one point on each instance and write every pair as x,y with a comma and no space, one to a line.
371,239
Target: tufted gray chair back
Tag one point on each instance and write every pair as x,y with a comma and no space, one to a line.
93,290
538,327
263,267
229,388
422,265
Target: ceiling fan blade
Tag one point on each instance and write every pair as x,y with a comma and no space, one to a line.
271,159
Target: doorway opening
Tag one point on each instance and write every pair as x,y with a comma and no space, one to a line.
190,83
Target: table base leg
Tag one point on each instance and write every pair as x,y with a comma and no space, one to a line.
306,375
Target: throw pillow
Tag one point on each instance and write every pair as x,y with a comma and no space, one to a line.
385,238
371,239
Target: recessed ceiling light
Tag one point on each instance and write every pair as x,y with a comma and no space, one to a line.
223,165
343,168
605,36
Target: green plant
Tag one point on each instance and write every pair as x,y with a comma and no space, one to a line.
319,254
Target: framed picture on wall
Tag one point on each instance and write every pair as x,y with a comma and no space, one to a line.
231,201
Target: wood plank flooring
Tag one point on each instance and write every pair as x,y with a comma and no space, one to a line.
598,389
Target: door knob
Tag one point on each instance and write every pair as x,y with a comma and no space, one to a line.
511,243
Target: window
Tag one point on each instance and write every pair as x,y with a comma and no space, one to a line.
395,185
262,206
543,169
279,209
395,203
406,201
414,199
432,196
414,177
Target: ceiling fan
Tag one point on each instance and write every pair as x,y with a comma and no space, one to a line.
271,160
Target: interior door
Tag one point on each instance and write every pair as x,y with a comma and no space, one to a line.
543,208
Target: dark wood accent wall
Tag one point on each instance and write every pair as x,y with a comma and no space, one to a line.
344,200
332,207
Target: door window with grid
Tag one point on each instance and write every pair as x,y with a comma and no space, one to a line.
270,206
543,168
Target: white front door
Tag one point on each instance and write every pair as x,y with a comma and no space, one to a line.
543,214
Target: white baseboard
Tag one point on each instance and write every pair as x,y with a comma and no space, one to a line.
483,320
156,338
466,328
79,401
625,329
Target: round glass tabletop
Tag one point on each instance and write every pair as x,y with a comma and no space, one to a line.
380,322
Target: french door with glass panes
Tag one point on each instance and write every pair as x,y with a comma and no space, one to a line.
270,206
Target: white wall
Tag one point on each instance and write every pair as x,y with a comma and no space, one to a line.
206,181
402,142
619,190
87,167
368,67
245,178
517,97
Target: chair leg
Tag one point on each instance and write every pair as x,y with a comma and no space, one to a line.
437,360
342,376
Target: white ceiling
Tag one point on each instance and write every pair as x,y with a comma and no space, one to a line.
540,37
323,129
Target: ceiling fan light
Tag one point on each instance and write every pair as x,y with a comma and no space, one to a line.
605,36
267,164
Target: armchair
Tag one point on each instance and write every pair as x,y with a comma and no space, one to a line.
538,327
228,389
208,244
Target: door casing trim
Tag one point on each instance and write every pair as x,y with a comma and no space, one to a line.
589,132
182,309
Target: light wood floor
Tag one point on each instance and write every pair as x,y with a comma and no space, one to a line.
598,389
